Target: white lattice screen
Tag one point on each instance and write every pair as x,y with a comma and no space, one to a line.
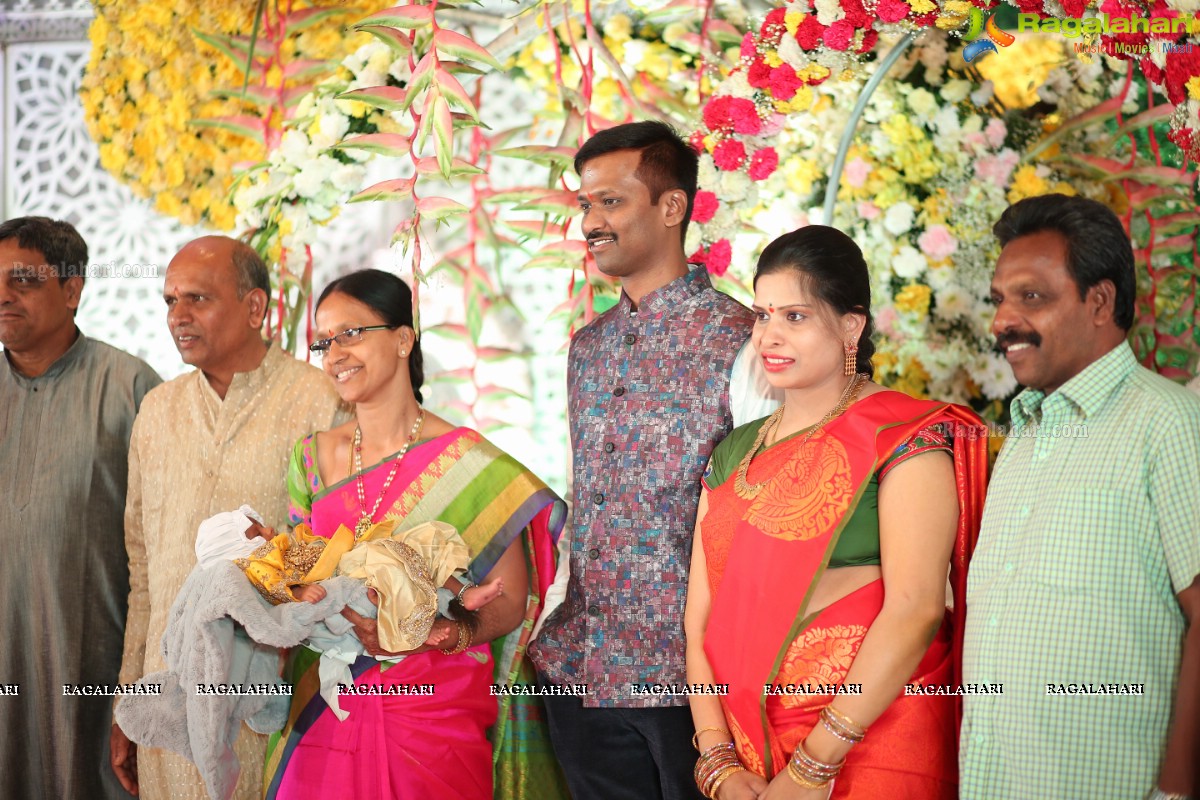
51,167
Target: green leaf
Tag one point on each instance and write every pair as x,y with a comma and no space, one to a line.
455,44
421,78
458,167
394,189
243,125
235,48
440,208
388,98
451,330
406,17
398,41
300,69
450,89
562,157
297,21
255,94
383,144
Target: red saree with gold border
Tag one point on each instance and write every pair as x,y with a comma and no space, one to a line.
766,554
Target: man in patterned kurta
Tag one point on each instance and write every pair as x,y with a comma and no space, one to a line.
203,443
1083,593
649,398
67,405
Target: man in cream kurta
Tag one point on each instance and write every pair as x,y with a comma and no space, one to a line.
204,443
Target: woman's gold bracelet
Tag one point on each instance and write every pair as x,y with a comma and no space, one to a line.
464,639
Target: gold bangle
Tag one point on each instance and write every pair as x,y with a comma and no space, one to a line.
464,639
721,778
696,736
803,780
842,718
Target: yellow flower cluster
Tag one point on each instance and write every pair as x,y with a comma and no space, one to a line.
148,78
645,53
914,299
1027,182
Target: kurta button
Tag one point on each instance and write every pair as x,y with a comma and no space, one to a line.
630,338
593,611
617,392
609,447
597,498
593,554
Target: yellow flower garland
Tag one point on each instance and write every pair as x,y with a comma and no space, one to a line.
148,78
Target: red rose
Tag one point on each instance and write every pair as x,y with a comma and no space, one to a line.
763,163
729,155
704,207
870,37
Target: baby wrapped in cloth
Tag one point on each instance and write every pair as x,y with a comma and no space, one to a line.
413,574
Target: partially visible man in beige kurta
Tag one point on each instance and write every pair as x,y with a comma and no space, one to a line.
203,443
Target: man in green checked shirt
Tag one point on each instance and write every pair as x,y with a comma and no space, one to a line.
1087,563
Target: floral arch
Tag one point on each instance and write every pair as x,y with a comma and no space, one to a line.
262,118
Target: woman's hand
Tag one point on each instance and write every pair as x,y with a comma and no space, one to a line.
742,785
784,788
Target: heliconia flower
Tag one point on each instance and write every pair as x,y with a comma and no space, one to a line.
704,206
763,163
729,154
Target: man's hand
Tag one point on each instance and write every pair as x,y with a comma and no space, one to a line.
123,757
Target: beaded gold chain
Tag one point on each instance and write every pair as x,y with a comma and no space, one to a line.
749,491
367,519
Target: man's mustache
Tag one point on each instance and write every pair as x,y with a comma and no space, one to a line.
1007,340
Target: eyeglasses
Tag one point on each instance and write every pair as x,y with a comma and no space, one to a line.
347,337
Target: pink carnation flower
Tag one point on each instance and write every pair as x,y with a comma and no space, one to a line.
729,155
892,10
763,163
856,172
719,256
784,82
868,210
997,168
995,132
705,206
839,35
937,242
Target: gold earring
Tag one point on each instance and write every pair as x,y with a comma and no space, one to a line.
851,358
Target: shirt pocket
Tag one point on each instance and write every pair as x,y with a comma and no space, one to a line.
1091,533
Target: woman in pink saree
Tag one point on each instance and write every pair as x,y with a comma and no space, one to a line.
419,722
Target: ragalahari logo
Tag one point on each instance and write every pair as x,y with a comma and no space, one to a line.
995,36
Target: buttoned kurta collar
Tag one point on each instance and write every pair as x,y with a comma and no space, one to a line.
664,298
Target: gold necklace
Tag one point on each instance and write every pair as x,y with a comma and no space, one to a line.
749,491
367,519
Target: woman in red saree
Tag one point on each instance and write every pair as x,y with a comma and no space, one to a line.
419,721
825,534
